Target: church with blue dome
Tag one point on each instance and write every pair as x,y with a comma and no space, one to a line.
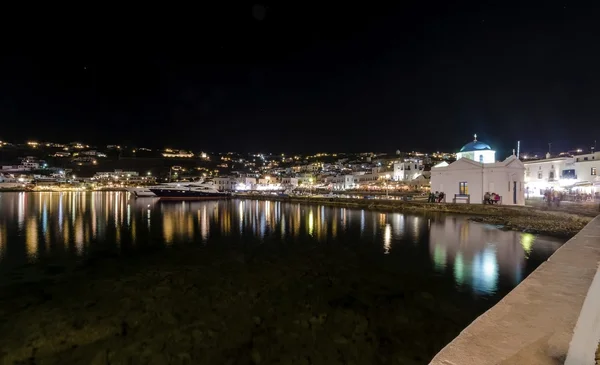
477,151
476,172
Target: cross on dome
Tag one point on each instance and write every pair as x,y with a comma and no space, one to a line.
475,136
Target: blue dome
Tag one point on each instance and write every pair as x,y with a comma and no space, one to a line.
475,146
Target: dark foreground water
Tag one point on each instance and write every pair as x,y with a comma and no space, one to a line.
102,278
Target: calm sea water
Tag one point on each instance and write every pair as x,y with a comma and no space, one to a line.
71,226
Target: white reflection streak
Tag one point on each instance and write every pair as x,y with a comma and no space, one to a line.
73,196
485,271
45,218
362,222
116,212
241,209
60,212
398,224
387,239
21,211
204,229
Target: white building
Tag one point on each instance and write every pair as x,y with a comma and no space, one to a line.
563,173
467,180
116,175
342,182
225,183
547,174
290,182
27,164
407,170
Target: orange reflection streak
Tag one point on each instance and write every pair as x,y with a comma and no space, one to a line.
334,224
3,240
296,222
94,218
168,228
31,238
133,232
66,233
190,227
79,234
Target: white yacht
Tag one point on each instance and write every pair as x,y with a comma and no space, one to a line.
141,192
188,191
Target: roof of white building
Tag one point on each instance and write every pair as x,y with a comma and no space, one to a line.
475,146
508,161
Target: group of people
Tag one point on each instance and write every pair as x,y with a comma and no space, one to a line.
436,197
552,196
491,198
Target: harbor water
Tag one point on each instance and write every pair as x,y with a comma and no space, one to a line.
100,276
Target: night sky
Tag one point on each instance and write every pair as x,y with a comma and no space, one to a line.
304,77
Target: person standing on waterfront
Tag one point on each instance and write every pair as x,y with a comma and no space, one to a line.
486,198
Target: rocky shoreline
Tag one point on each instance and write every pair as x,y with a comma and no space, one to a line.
557,223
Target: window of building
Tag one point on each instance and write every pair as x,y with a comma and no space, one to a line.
551,175
539,174
585,158
569,174
463,188
481,158
594,171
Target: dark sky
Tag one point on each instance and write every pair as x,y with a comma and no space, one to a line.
304,76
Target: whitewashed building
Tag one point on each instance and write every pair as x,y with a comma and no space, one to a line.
476,172
547,174
407,170
580,173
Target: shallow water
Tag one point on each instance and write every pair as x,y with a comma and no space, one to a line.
291,283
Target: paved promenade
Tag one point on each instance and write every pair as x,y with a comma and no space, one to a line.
536,322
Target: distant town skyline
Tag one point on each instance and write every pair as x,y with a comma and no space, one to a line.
554,148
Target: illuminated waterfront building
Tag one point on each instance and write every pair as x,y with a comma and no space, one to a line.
577,174
476,172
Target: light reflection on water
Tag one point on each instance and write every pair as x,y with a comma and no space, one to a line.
70,225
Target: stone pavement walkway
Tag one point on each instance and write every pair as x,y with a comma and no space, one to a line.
534,324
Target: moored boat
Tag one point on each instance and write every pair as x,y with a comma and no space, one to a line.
188,191
141,192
